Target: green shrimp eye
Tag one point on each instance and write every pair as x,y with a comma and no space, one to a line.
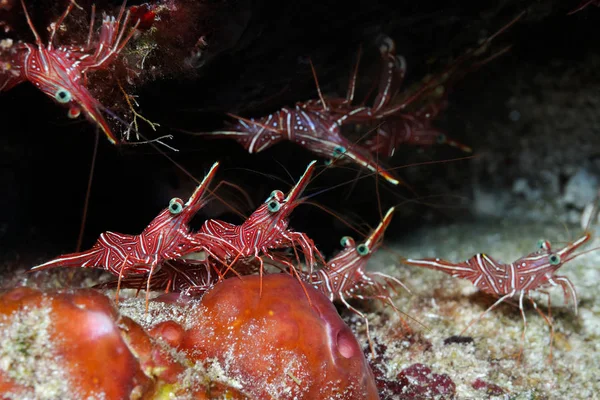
273,206
63,96
362,249
339,151
276,195
554,259
346,241
543,244
441,139
175,206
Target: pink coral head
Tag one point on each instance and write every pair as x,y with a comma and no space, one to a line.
277,335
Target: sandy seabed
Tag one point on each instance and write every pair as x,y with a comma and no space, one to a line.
446,305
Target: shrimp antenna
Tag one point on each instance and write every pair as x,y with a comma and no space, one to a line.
38,40
88,192
314,72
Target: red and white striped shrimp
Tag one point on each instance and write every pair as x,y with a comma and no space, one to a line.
267,228
412,129
398,125
314,125
318,132
176,276
345,277
518,279
60,72
167,237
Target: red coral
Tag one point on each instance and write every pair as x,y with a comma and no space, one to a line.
490,388
145,14
418,382
74,335
76,345
276,343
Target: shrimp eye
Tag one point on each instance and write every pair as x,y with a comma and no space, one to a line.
362,249
278,194
554,259
441,138
346,241
339,151
63,96
175,206
273,206
543,244
74,112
